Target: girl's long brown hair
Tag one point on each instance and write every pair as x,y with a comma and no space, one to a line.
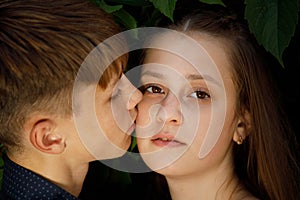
266,163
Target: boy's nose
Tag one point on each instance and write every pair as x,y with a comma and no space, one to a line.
135,98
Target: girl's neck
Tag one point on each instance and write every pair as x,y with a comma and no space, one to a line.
217,184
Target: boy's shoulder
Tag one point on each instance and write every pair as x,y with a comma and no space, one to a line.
21,183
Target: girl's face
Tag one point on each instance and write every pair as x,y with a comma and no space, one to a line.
185,120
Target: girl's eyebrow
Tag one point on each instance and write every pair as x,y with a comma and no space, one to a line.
189,77
204,77
152,74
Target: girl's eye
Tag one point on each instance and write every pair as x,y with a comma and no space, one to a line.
152,89
200,95
155,89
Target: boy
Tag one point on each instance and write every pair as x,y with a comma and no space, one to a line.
42,47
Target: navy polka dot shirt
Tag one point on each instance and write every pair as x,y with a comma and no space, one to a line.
22,184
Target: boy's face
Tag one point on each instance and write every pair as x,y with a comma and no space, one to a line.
108,136
116,111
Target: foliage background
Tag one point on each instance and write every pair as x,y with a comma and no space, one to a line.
273,22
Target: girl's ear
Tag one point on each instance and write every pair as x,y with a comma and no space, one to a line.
242,128
43,136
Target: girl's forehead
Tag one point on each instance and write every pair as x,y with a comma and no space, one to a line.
169,64
204,53
163,60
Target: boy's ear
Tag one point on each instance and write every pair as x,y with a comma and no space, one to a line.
242,128
43,136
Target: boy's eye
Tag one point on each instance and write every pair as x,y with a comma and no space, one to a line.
116,93
200,95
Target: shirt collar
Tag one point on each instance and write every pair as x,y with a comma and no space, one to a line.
21,183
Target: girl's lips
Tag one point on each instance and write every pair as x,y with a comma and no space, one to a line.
165,139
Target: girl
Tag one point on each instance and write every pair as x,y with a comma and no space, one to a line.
209,120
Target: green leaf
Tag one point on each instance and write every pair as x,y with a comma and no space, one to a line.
273,23
107,8
213,2
124,18
166,7
133,144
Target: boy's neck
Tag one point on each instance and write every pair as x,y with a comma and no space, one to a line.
67,175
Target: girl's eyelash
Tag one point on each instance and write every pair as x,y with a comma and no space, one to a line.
142,88
200,94
145,87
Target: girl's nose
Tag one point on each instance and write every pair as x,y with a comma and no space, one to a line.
170,110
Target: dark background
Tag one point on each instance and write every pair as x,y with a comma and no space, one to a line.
103,181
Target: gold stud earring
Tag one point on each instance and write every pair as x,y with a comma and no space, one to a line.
240,140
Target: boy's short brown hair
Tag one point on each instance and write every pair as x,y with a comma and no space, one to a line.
42,46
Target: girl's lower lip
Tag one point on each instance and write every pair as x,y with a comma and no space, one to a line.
169,143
